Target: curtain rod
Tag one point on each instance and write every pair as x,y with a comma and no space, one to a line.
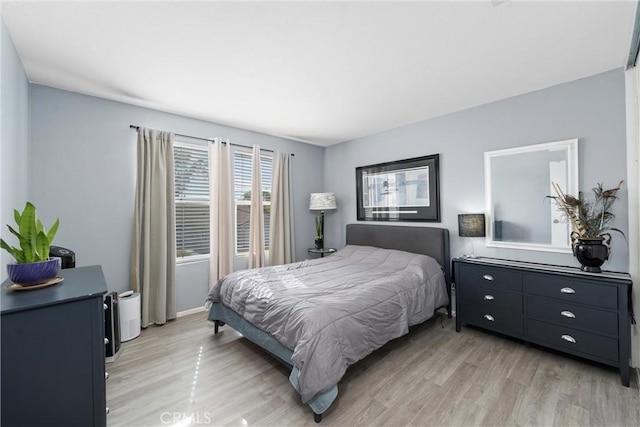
209,140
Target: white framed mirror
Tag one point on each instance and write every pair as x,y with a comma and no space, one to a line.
517,182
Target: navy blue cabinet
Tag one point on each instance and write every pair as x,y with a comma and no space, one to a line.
584,314
53,352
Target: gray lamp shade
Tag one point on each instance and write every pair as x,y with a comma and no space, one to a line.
322,202
471,225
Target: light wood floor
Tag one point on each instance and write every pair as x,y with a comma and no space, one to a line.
183,374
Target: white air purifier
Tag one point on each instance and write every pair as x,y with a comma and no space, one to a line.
129,305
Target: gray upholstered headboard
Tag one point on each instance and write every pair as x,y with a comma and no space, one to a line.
430,241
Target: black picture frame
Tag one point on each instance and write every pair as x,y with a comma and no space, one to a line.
403,190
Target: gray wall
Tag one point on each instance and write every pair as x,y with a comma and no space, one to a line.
84,160
590,109
15,172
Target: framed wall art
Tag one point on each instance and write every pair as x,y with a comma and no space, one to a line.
404,190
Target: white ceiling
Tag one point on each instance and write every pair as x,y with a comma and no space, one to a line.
318,72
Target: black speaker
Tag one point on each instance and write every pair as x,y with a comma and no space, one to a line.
67,256
111,324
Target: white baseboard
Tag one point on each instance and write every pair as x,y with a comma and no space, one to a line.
191,311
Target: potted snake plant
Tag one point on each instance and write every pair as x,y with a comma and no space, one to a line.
33,264
590,238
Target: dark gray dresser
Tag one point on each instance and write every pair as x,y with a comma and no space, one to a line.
584,314
53,352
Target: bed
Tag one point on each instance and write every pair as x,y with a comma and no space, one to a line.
320,316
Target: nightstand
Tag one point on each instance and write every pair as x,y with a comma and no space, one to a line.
322,252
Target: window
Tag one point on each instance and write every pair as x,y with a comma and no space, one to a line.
242,176
192,201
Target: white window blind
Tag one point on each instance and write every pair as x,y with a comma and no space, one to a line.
242,176
192,200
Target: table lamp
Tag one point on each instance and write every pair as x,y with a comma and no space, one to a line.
321,202
471,225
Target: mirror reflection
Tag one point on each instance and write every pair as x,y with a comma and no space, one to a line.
517,181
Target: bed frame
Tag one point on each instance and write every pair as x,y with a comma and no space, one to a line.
430,241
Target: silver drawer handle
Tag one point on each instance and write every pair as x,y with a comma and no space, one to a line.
567,291
487,277
489,298
106,375
489,317
106,410
568,314
569,338
106,341
104,306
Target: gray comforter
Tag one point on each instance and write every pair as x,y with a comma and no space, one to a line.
334,311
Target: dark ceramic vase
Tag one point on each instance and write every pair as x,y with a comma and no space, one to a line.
35,272
319,243
591,253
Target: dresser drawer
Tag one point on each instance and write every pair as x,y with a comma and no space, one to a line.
572,290
494,277
495,319
494,298
573,316
573,340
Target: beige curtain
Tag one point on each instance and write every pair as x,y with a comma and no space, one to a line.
256,217
153,258
221,213
281,242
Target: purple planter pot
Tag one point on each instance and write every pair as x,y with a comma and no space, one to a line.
35,272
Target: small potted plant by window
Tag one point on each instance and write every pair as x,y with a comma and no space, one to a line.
590,239
33,265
